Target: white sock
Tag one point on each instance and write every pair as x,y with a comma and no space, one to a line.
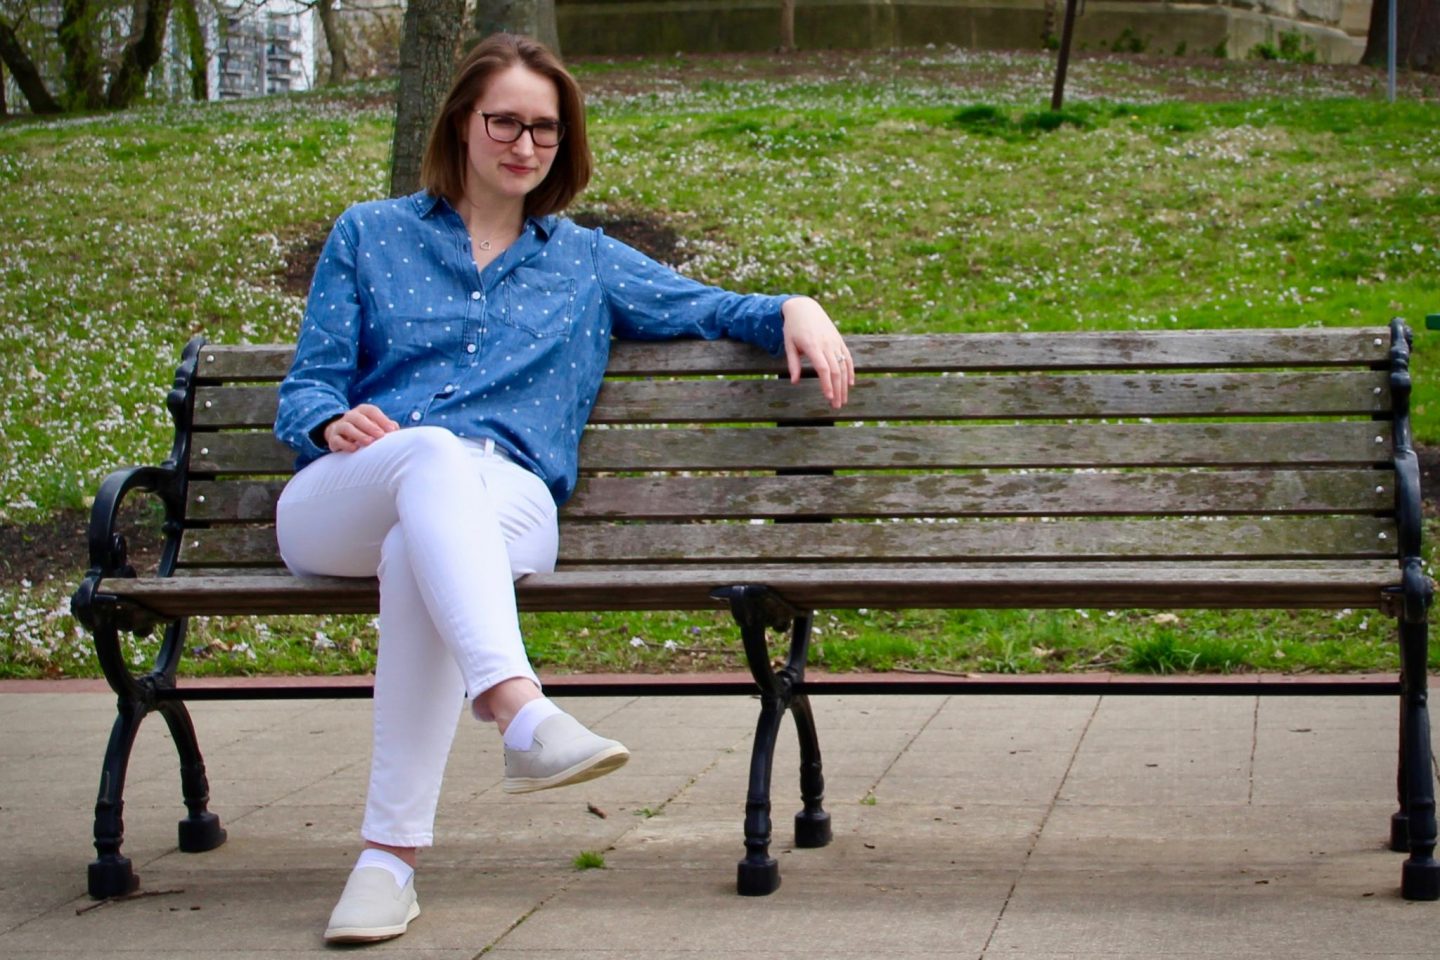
385,860
520,735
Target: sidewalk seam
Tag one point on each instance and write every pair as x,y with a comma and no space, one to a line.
1044,820
567,884
1254,745
908,744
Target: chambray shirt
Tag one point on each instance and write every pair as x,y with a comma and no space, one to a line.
399,316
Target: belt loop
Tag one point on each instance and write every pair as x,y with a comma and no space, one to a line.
489,447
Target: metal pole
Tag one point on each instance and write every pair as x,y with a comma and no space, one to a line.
1390,54
1057,99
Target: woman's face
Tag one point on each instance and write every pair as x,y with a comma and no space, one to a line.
500,172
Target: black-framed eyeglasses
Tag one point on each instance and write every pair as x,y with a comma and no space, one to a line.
506,129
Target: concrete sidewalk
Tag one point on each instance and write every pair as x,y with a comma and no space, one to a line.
1034,827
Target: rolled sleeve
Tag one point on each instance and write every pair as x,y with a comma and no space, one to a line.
650,301
317,387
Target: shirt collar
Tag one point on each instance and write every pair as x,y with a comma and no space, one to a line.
427,204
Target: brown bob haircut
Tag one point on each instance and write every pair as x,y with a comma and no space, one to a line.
442,169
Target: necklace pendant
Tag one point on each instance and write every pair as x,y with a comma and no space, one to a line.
484,244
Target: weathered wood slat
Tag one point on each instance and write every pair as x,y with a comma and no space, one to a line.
983,494
980,540
962,447
1001,397
1037,351
1059,541
240,362
1170,492
1191,349
240,453
1179,586
910,448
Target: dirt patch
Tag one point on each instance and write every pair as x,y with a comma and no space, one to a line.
1429,480
650,235
38,551
56,547
300,264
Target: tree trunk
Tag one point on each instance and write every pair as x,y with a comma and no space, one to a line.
427,60
1417,35
533,18
81,72
141,53
199,68
334,41
787,25
27,77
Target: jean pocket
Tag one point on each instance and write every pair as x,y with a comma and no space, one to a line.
539,302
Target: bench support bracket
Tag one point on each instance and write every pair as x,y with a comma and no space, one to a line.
111,873
1412,828
756,609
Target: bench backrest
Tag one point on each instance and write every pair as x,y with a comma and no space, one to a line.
1166,446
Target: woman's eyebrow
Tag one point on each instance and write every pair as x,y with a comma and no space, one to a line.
514,115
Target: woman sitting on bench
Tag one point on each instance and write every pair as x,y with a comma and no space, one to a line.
451,351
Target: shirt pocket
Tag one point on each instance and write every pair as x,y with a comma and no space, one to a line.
539,302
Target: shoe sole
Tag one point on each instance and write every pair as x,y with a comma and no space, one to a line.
371,934
606,761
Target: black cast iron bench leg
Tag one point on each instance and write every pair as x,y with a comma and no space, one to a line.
111,874
200,830
755,609
1420,874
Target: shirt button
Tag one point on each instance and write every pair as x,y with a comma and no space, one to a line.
474,294
415,415
469,348
449,388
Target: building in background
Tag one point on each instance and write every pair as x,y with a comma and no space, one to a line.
253,47
260,49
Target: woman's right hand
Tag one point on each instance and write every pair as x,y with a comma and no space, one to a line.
358,427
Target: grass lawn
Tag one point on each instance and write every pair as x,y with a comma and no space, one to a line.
908,190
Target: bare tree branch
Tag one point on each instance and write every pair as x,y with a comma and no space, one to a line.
147,44
81,73
22,68
334,40
199,68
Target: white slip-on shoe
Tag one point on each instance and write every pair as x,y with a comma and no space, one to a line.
372,907
564,752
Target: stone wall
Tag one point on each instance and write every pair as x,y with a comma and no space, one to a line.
1334,28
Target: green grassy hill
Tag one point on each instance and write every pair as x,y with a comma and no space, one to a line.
909,191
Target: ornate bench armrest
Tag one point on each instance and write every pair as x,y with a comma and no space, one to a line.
108,549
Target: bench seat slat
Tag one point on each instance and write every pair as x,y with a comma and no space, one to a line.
1172,492
1002,397
976,541
906,447
1174,586
987,446
1098,350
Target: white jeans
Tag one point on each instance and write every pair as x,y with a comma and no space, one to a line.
448,525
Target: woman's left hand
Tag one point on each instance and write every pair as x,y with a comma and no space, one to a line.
810,333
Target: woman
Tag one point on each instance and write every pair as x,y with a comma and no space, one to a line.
452,348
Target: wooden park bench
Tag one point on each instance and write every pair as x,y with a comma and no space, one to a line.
1159,469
